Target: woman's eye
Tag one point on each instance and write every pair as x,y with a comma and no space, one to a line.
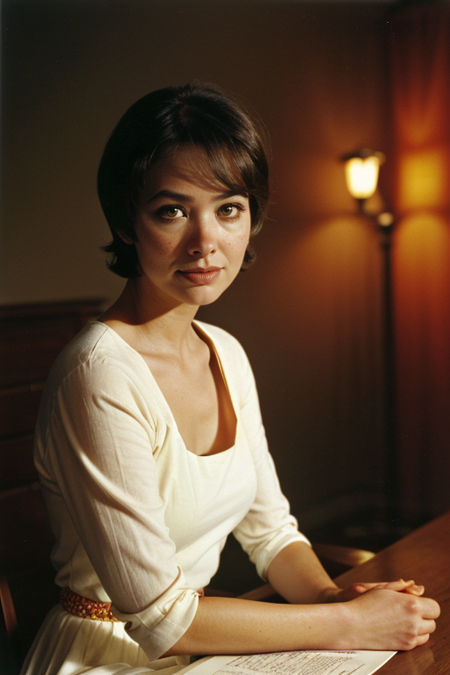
170,212
231,210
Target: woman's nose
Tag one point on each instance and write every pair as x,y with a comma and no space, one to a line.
202,240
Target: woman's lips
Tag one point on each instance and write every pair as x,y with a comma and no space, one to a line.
202,276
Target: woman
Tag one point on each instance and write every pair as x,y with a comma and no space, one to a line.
149,443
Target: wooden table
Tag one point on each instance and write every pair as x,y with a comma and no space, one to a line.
424,555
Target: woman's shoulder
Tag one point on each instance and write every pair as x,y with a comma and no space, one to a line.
96,351
93,338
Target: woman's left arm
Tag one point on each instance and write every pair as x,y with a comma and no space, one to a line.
269,533
298,576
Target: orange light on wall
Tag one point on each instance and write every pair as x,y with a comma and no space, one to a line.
424,175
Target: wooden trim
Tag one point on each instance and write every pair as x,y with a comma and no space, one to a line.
43,309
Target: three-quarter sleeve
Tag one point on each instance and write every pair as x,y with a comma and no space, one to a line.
97,453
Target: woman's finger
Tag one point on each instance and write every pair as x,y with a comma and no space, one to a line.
430,609
415,590
359,588
422,639
428,626
399,585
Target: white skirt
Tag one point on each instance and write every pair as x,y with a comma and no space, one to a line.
69,645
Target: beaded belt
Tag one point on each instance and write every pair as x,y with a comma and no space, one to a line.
84,608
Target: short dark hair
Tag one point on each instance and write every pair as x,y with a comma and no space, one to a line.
196,115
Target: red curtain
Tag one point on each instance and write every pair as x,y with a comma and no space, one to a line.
420,53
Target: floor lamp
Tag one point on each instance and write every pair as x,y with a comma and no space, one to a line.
361,173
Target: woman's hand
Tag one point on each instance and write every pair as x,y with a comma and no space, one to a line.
355,590
383,615
382,618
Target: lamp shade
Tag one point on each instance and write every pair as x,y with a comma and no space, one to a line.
361,173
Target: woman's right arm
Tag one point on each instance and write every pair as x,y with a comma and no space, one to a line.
94,453
379,619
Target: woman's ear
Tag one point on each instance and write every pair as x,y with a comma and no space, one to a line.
125,238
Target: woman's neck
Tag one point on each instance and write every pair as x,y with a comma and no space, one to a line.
141,319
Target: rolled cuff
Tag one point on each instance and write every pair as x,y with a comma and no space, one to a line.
278,543
158,627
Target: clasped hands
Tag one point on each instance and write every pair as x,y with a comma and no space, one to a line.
355,590
394,608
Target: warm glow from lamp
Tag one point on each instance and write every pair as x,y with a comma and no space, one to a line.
361,174
424,177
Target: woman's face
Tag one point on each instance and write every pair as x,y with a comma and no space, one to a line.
192,231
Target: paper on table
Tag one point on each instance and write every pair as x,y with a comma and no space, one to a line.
306,662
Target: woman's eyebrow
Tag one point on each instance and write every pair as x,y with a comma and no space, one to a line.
168,194
179,197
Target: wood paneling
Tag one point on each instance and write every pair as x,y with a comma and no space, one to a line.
31,336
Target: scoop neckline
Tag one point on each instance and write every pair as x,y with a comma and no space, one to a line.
163,398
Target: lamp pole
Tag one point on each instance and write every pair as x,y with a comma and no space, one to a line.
361,169
391,468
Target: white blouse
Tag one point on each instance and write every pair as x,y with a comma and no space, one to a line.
138,519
